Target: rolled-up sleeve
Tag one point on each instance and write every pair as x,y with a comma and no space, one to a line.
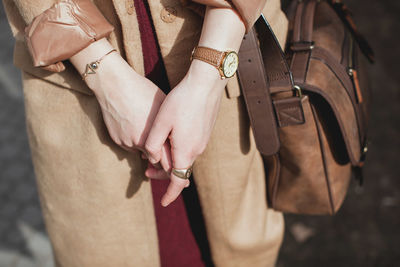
57,32
249,10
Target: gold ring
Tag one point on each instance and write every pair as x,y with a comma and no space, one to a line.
183,173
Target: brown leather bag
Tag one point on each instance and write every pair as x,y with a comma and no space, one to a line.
310,119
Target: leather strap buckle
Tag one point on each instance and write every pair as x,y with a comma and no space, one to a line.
298,91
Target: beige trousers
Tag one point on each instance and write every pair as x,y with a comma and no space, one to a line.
97,203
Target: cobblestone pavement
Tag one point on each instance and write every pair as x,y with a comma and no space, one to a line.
364,233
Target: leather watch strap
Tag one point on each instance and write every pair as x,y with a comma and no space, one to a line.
209,55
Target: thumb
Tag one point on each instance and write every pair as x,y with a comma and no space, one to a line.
156,138
177,184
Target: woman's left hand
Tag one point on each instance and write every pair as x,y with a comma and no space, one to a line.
185,120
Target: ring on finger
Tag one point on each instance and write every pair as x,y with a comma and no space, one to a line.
184,173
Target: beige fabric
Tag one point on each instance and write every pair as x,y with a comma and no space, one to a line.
177,37
96,202
232,191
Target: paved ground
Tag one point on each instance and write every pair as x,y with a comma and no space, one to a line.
364,233
22,242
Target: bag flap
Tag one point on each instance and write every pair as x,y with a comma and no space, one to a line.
330,88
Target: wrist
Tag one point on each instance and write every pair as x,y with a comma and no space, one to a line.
111,67
223,29
91,53
110,71
205,75
99,52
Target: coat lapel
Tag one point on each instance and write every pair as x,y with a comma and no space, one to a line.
128,34
178,31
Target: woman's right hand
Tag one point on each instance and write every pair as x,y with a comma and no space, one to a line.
129,102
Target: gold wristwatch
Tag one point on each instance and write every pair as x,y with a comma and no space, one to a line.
226,62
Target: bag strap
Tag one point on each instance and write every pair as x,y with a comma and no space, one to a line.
304,21
302,39
257,72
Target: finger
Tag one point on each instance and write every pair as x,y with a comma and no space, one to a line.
143,156
129,149
188,184
166,159
175,187
154,173
177,184
157,136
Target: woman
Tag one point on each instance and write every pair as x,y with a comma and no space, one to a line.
95,140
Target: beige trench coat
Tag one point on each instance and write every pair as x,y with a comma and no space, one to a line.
95,199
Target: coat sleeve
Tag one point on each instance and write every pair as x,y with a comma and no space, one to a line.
21,12
47,24
249,10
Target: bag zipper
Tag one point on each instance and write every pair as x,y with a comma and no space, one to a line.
353,72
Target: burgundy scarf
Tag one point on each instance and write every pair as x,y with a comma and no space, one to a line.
177,244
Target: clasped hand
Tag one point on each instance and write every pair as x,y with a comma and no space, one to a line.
184,122
172,130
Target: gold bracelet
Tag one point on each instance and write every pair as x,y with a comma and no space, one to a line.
91,67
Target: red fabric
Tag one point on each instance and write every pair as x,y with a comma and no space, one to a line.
176,241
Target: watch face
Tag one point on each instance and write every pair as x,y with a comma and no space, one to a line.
230,64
